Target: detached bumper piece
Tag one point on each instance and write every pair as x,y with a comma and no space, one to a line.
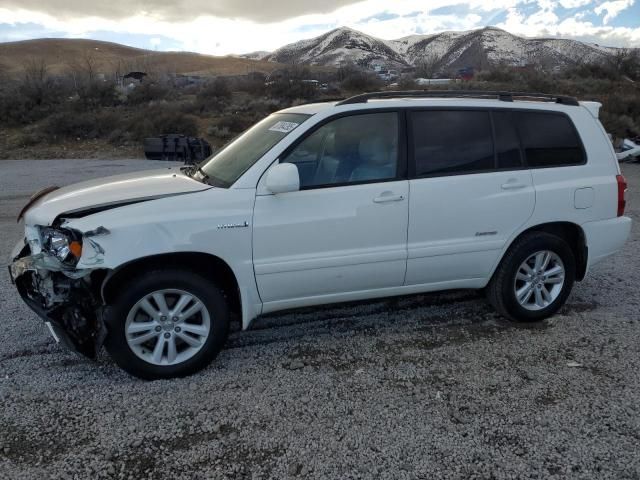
67,304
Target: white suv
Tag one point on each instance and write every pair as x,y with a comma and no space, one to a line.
378,195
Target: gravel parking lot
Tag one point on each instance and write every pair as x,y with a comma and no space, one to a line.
426,386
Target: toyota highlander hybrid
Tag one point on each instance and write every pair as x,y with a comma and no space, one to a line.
381,194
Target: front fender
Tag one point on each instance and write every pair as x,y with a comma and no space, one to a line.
216,222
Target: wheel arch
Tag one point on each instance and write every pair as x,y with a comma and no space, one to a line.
572,233
205,264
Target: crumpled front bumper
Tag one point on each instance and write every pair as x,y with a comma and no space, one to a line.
64,299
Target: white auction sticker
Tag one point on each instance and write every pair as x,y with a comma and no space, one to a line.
284,127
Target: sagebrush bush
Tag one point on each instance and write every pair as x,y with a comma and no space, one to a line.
161,120
289,89
253,84
218,89
80,125
213,97
237,123
97,94
360,81
148,92
50,109
620,126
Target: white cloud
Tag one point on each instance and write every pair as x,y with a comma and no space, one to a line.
219,36
576,27
612,9
574,3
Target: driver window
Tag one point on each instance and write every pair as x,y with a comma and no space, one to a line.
353,149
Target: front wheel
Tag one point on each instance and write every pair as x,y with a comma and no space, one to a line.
167,323
534,278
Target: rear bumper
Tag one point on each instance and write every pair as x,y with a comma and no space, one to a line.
605,238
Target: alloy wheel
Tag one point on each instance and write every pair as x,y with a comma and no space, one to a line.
167,327
539,280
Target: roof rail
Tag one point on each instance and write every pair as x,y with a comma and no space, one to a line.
502,96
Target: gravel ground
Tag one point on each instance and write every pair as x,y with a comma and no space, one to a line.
426,386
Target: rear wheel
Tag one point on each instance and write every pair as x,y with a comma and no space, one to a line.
167,323
534,278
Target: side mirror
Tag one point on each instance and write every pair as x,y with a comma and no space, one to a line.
283,178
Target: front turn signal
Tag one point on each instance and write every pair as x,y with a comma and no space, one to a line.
75,248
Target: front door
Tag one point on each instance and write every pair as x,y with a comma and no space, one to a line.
345,231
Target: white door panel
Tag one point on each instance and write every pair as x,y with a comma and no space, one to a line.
330,240
459,224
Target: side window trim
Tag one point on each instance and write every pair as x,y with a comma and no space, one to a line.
401,160
494,140
523,158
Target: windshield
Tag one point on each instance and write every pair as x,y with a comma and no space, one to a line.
228,164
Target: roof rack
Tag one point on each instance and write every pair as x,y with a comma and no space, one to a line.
502,96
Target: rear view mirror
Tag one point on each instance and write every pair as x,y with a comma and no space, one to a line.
283,178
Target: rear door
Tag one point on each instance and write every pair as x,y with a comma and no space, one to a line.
469,193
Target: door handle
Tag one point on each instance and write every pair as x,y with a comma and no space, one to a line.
388,197
513,185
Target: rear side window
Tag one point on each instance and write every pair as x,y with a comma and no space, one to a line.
548,139
450,142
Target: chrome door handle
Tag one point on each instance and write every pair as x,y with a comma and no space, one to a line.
513,186
388,198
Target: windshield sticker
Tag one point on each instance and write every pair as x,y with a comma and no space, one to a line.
284,127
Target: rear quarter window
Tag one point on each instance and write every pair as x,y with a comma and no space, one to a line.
549,139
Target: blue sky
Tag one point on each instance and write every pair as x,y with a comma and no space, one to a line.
238,26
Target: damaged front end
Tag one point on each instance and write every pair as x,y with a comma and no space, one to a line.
50,276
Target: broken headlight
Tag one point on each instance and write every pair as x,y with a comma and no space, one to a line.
61,244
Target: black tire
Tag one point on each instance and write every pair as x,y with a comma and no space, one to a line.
501,292
136,289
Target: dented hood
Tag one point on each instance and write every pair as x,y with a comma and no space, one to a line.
88,197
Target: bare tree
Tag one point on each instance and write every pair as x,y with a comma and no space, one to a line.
83,70
625,62
427,65
36,82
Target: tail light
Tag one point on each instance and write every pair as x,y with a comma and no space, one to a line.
622,190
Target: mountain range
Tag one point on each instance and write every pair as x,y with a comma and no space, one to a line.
445,51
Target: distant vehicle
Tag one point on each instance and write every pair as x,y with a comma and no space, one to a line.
466,73
628,151
388,75
382,194
176,148
425,82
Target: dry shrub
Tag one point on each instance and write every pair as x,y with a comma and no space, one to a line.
80,125
160,120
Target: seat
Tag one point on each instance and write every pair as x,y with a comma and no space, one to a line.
328,164
377,160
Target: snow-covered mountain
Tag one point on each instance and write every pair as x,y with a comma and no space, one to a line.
447,50
336,47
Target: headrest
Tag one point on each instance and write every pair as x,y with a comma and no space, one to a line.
375,151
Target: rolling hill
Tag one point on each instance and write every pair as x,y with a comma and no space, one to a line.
108,58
